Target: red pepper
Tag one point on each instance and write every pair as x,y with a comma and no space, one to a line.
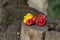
30,21
41,20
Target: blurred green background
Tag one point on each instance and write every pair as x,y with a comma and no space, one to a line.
54,9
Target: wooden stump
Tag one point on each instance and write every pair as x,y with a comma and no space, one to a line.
32,32
38,33
52,35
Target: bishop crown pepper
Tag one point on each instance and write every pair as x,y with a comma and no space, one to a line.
30,21
41,20
27,16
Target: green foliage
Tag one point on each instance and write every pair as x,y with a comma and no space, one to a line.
54,9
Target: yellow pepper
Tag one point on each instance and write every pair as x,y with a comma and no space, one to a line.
24,20
27,16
